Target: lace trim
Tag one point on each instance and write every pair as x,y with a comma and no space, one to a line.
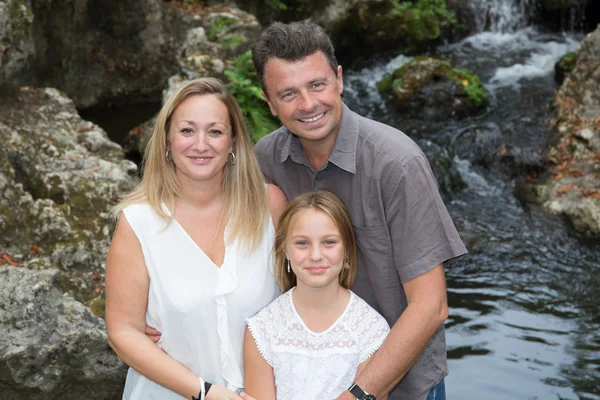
258,345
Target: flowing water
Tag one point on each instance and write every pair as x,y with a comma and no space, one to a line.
524,316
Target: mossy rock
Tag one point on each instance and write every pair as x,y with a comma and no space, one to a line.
432,88
564,66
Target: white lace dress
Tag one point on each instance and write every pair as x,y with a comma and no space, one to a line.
309,365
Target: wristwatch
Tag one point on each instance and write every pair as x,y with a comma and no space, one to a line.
359,393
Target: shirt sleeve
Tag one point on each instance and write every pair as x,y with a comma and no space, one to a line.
262,329
375,330
422,232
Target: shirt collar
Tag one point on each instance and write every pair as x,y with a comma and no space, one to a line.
343,153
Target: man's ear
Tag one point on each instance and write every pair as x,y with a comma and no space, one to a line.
269,103
339,79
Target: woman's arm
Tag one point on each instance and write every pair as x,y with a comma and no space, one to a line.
127,285
277,203
259,381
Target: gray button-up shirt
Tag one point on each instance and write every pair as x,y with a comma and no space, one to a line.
401,224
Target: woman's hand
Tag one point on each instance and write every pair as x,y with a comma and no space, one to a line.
220,392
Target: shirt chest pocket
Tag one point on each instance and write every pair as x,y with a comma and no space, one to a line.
373,253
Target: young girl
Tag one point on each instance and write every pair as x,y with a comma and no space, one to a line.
312,341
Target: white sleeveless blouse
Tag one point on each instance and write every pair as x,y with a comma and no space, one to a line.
200,308
311,365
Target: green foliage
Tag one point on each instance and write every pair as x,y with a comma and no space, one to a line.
567,62
232,41
243,84
471,84
218,26
423,19
20,18
276,4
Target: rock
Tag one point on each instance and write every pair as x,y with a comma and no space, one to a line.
564,66
16,44
63,174
208,51
429,88
52,346
571,186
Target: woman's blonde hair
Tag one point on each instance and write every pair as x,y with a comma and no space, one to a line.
328,203
243,185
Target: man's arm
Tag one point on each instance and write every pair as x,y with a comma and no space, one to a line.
427,310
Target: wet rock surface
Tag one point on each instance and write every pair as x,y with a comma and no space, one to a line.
572,185
430,88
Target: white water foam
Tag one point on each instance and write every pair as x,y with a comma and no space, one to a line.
544,56
502,15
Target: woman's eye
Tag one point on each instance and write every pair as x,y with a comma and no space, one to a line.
216,132
186,130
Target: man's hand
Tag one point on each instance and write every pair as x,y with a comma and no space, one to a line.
152,333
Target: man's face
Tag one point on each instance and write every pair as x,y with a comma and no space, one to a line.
306,95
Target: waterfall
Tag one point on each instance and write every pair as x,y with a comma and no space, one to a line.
502,16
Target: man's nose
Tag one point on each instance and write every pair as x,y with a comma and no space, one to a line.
307,101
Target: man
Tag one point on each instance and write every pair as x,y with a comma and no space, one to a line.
402,227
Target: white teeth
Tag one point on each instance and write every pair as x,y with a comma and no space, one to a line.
313,119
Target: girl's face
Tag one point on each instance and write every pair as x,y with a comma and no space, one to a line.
315,249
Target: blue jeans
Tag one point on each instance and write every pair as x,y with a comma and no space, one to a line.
438,392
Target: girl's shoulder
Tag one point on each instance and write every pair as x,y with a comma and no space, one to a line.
274,313
362,311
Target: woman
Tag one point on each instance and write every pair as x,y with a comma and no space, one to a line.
187,256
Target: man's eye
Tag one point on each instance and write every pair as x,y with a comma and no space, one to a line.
287,95
317,85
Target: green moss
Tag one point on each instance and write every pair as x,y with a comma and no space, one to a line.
567,62
385,85
98,307
219,26
471,84
21,18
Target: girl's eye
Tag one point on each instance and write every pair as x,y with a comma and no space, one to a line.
330,242
302,243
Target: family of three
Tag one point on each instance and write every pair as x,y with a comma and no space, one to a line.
218,288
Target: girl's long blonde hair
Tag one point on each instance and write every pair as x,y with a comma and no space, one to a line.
328,203
243,186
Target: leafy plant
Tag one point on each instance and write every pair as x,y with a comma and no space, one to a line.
243,84
424,18
276,4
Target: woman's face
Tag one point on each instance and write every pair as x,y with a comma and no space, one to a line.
200,138
315,249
